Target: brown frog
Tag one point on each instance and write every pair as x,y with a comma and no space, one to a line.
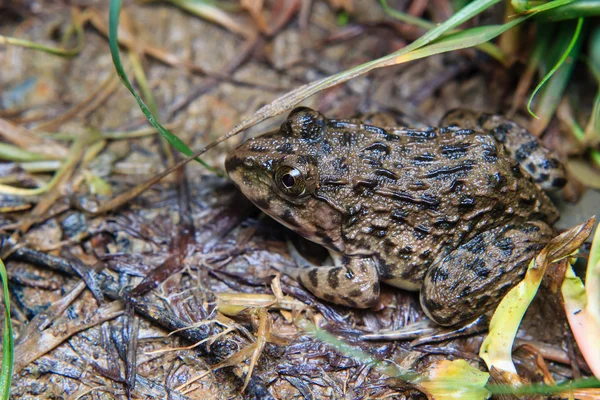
456,212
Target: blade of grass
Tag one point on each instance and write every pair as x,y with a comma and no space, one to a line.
77,27
7,340
575,9
541,47
210,12
9,152
592,129
489,48
541,389
551,94
115,8
563,58
140,76
66,167
549,5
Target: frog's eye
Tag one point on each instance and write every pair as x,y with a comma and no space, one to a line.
290,181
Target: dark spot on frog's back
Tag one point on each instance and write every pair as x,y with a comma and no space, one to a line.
476,245
421,232
526,149
361,183
425,255
495,180
531,168
386,173
388,246
505,245
430,201
428,134
378,147
348,138
405,253
459,170
466,203
550,163
376,130
542,178
399,215
379,233
527,200
456,151
465,292
325,148
285,148
425,158
490,153
444,223
457,185
479,267
482,301
501,131
463,132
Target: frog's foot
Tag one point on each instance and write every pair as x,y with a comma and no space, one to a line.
523,146
473,278
354,282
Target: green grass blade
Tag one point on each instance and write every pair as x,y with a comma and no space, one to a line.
463,15
560,62
77,28
550,5
10,152
573,10
115,8
489,48
7,340
593,63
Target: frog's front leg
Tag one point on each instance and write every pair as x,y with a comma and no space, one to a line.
352,281
473,278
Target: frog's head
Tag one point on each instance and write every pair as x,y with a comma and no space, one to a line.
279,172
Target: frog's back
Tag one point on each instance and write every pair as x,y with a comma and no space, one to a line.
411,196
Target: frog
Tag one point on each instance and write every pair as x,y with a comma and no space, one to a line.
455,212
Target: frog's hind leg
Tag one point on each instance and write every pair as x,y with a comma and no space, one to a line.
353,282
522,145
473,278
